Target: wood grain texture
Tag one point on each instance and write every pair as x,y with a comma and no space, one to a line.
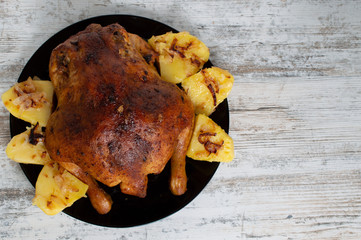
295,114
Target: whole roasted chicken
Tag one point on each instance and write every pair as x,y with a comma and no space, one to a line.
116,120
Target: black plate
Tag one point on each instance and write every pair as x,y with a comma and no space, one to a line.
127,210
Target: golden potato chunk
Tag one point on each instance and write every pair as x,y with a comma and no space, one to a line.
210,142
180,55
30,101
28,147
208,88
57,189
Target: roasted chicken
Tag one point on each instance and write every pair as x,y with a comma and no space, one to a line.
116,120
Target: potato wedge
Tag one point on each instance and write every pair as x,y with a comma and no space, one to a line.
30,101
180,55
28,147
57,189
210,142
208,88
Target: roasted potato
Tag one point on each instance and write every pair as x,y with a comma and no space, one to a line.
30,101
180,55
57,189
210,142
28,147
208,88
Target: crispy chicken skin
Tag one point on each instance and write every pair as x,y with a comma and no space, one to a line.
116,121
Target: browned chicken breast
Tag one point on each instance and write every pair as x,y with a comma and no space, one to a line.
116,120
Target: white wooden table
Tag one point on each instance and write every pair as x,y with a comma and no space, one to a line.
295,113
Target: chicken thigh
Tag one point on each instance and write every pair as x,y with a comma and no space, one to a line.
116,120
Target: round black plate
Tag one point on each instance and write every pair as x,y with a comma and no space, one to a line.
127,210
